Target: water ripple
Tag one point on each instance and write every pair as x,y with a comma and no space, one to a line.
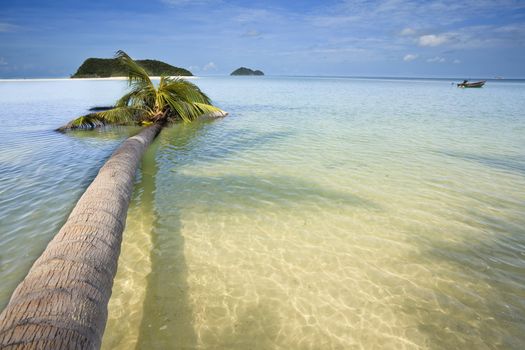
323,213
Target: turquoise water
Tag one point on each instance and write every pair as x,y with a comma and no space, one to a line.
322,213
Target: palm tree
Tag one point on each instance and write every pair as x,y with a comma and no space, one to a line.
173,99
62,302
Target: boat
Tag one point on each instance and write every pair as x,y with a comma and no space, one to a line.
476,84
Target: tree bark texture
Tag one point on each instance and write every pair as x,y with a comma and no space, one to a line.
62,302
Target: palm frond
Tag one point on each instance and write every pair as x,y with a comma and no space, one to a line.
184,90
191,111
205,108
120,115
88,121
117,115
138,97
163,80
136,74
184,111
125,100
184,98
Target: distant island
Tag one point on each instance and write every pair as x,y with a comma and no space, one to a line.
110,67
246,71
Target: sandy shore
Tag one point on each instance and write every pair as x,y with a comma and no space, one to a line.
74,79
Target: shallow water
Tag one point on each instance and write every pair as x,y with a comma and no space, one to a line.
322,213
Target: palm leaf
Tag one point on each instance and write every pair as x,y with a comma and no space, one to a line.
117,115
191,111
138,97
136,74
206,108
120,115
88,121
184,90
184,98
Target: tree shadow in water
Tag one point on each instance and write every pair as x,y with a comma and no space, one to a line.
224,193
195,143
509,163
167,313
167,320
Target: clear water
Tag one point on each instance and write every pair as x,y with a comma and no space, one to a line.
322,213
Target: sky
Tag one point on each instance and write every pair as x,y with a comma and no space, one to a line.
435,38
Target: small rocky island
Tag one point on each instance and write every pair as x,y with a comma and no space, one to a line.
246,71
111,67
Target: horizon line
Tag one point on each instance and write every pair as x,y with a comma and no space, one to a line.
495,78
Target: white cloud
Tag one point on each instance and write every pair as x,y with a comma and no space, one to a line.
3,62
194,68
433,40
407,32
394,14
456,61
409,57
209,66
436,59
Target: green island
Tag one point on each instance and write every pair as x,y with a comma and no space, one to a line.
246,71
111,67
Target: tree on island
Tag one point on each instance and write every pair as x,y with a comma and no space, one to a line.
62,301
112,67
246,71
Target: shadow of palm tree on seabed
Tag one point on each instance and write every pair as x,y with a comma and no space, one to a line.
168,318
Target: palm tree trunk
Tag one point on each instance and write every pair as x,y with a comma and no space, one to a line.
62,302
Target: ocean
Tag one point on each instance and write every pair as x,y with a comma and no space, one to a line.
322,213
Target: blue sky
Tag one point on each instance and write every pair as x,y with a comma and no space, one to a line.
441,38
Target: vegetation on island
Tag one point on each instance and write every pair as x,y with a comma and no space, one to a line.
246,71
173,99
113,67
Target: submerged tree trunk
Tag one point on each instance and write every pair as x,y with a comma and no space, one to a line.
62,302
